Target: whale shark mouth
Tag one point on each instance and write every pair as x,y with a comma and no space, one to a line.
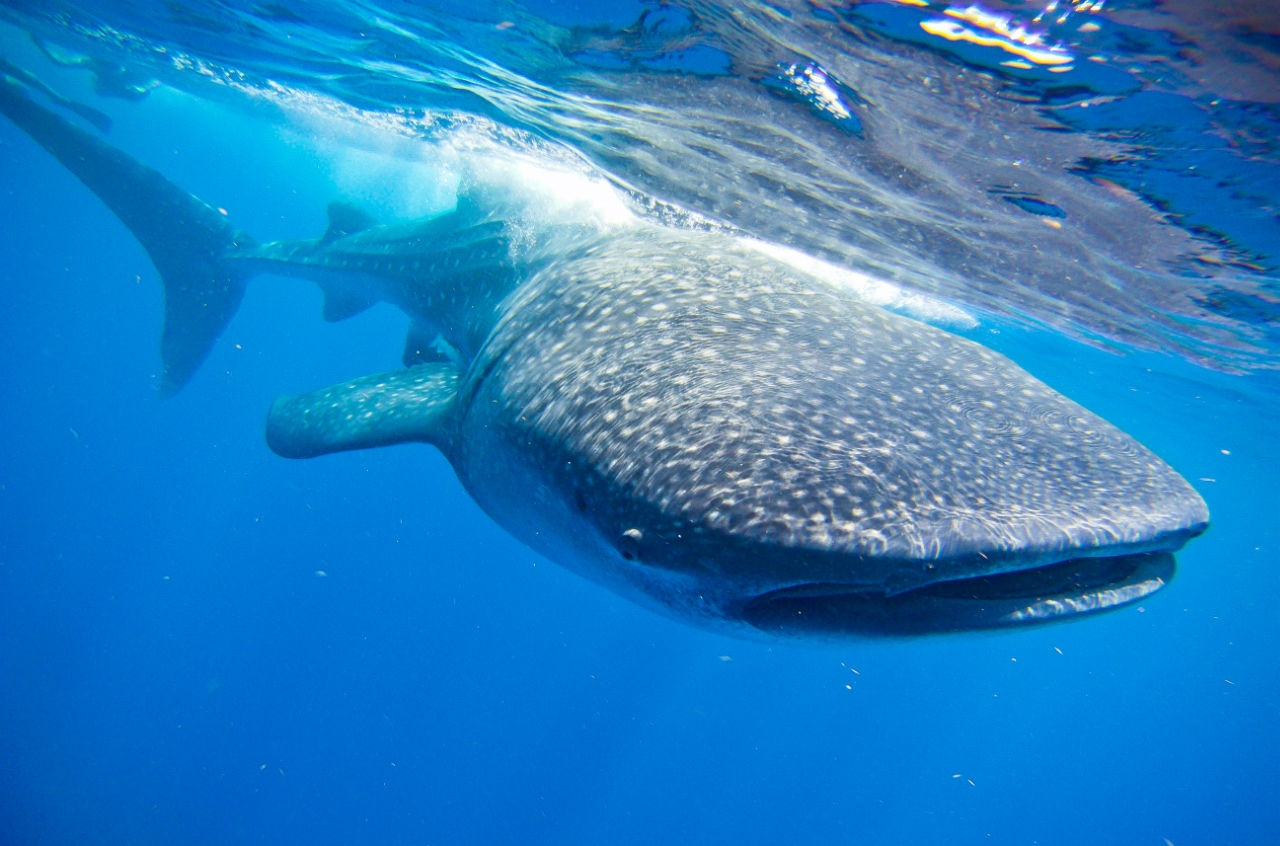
1034,595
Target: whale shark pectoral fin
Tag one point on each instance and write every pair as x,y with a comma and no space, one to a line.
399,407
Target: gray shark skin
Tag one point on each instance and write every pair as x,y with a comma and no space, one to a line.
711,431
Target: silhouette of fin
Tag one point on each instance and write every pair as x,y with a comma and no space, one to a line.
340,304
346,219
90,114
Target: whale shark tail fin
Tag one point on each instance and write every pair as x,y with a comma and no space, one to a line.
186,239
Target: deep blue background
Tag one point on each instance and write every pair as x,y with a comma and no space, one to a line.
202,643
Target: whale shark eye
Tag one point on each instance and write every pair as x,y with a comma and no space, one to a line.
629,544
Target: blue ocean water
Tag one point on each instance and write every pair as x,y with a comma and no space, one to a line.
203,643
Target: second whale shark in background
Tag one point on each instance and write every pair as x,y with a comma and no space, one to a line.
686,418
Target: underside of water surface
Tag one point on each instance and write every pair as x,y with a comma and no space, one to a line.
1107,170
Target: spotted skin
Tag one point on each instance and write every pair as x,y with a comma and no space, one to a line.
754,428
449,272
416,405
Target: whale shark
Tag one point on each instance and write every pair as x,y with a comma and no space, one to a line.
684,418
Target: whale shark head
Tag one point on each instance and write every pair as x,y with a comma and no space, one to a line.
745,447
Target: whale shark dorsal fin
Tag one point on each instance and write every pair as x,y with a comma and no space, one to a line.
402,406
340,304
346,219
